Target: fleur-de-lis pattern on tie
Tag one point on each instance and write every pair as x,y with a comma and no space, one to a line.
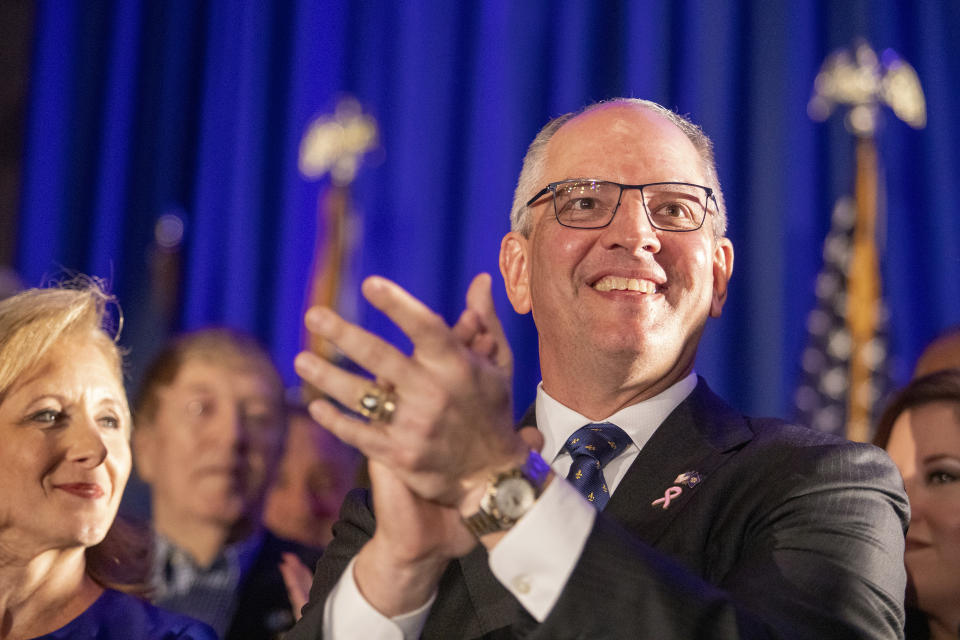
592,447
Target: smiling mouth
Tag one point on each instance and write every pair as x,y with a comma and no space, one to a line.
616,283
87,490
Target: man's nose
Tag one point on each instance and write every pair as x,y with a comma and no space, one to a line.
631,228
231,429
85,442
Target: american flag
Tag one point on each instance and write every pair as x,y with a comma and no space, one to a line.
823,397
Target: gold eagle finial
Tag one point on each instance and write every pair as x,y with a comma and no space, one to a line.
863,81
336,143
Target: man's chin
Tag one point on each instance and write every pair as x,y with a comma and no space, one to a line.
639,341
228,511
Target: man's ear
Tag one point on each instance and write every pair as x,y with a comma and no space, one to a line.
515,271
143,444
722,270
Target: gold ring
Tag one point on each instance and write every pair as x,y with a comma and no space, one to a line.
377,404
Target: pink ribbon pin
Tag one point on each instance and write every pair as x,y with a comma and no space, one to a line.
668,495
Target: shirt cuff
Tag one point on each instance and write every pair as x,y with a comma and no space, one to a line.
347,614
535,558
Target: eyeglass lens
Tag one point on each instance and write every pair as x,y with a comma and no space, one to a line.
593,203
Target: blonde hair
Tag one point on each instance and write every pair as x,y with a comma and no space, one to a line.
34,320
31,323
533,162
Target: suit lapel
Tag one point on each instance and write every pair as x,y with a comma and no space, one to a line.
698,436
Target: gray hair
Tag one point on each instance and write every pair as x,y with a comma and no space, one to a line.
532,172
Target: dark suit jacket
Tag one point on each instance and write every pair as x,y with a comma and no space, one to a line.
263,608
789,533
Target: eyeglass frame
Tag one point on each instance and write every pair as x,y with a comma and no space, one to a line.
552,188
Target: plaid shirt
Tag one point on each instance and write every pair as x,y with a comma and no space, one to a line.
205,593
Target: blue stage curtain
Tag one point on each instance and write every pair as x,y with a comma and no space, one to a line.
143,108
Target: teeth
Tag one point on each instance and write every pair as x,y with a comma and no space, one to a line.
614,283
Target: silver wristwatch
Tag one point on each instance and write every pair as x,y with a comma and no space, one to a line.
509,496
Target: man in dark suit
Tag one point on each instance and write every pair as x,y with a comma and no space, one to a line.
681,517
210,430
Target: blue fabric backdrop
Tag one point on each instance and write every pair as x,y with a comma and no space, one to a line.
142,108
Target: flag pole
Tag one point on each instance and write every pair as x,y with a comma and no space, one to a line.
333,144
863,292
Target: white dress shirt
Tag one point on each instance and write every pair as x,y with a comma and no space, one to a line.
536,557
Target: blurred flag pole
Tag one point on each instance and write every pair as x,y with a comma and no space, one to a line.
333,144
860,83
863,292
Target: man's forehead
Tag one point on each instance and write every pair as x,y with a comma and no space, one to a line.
206,371
622,142
623,112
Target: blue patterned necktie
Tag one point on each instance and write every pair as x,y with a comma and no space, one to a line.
592,447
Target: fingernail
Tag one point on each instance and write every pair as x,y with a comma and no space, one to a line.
373,283
318,319
305,363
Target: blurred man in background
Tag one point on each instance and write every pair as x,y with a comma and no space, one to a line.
210,430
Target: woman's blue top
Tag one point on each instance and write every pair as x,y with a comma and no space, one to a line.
118,616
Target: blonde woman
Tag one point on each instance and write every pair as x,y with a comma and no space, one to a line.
66,569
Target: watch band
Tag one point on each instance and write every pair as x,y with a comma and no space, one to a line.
534,470
481,523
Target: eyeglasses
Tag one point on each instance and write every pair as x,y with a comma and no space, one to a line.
591,204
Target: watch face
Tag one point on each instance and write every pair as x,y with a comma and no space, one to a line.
514,497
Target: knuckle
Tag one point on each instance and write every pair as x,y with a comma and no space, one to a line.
367,352
459,372
435,399
408,458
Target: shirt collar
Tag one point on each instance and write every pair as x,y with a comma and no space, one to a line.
241,553
557,422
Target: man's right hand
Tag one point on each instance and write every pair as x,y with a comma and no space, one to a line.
453,419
